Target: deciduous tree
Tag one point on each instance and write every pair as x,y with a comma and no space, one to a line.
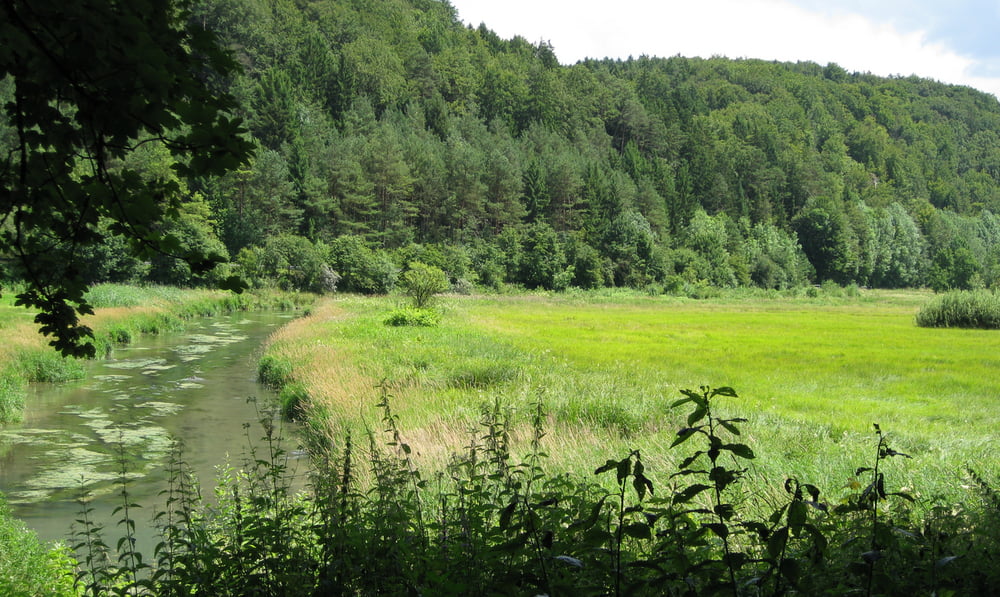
93,80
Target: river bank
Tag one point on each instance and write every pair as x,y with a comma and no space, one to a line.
30,563
122,314
190,394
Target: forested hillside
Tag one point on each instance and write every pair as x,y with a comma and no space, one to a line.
388,132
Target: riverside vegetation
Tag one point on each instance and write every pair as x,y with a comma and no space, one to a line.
451,460
125,312
379,135
492,523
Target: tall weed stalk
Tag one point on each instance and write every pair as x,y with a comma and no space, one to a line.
492,523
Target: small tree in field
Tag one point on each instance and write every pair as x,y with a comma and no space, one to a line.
421,282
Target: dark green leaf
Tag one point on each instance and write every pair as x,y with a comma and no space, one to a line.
610,465
819,539
697,415
638,530
797,514
689,493
741,450
791,569
683,435
730,427
735,560
720,530
506,514
776,543
689,460
591,519
724,511
680,402
623,468
642,485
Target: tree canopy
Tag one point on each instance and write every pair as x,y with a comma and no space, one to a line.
84,86
389,132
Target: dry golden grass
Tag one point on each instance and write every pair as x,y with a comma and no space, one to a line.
336,386
106,315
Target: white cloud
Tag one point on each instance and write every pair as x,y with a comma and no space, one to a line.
767,29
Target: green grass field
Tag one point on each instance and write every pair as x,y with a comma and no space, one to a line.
813,376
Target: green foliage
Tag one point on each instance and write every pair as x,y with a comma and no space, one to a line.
28,568
75,120
362,269
418,139
541,258
274,372
292,400
828,240
415,316
421,282
291,263
954,268
775,259
192,226
698,530
48,367
962,309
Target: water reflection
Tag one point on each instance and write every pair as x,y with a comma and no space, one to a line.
191,386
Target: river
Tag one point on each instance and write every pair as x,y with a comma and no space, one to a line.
192,386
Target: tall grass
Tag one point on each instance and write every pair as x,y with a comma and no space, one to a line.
962,309
815,372
496,523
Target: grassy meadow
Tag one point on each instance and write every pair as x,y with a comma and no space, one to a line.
813,375
812,372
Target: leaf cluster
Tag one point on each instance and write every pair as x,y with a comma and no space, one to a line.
492,524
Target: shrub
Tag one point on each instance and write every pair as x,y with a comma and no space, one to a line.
291,262
453,260
421,282
415,317
542,257
487,265
362,269
48,366
962,309
292,399
28,567
274,372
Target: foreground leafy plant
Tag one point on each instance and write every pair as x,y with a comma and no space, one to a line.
490,524
702,421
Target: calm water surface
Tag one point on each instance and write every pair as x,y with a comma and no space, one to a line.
190,386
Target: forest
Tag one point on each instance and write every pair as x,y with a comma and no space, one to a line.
389,132
366,146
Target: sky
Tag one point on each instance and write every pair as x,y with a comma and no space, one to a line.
953,41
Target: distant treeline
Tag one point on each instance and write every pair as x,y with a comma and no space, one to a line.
389,132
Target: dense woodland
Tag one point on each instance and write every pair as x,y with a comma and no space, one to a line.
388,132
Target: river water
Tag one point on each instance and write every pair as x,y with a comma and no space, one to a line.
191,386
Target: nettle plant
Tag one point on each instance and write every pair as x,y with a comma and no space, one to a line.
695,541
490,524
